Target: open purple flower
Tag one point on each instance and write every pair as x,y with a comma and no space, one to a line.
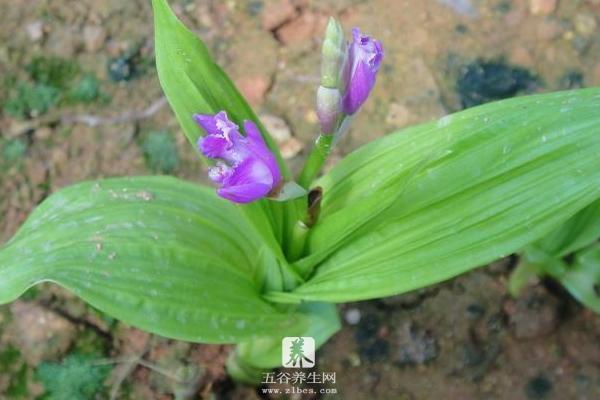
362,64
246,169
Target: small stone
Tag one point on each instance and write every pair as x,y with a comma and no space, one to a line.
40,334
254,88
354,360
35,31
299,30
352,316
585,24
290,148
311,117
94,37
42,133
415,345
542,7
277,127
276,12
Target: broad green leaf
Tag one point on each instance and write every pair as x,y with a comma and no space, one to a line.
191,80
194,83
577,233
155,252
457,193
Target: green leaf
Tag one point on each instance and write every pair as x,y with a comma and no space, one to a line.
191,80
194,83
455,193
577,233
251,358
164,255
582,279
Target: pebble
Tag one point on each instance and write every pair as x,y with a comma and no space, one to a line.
94,37
277,127
542,7
299,30
415,345
291,148
352,316
254,88
39,333
276,12
35,31
42,133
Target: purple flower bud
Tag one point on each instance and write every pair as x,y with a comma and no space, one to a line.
362,64
246,169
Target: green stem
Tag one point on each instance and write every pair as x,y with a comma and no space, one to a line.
298,241
315,160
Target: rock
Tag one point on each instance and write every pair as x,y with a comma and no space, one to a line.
290,148
414,345
35,31
542,7
280,131
42,133
254,88
352,316
40,334
276,12
299,30
277,127
94,37
311,117
534,313
585,24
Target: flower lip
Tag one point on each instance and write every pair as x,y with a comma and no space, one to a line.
245,168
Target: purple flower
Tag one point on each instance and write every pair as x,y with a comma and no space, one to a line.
246,169
362,64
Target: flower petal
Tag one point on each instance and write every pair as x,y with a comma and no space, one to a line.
250,180
213,146
259,148
361,83
207,122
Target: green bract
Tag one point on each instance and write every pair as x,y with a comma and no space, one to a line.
414,208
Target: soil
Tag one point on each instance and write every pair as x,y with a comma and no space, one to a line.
92,108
